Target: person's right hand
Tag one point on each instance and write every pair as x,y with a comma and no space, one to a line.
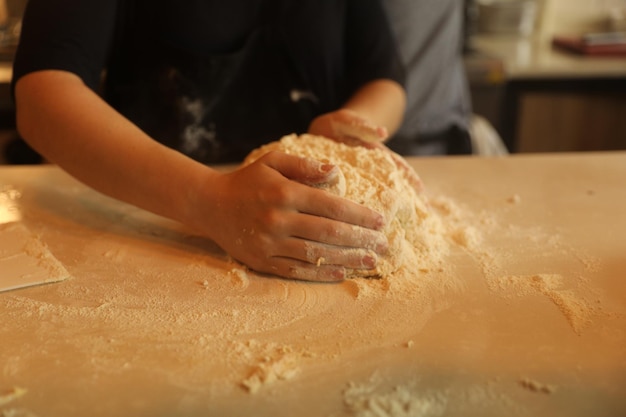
265,216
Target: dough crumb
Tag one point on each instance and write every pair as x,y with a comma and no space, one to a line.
535,386
467,237
270,370
270,363
11,395
239,277
514,199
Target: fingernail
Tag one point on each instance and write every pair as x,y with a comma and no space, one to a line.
327,168
382,246
379,221
370,261
338,274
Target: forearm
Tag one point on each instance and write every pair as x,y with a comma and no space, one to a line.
74,128
261,214
382,102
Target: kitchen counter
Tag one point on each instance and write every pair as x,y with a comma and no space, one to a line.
526,317
544,99
535,58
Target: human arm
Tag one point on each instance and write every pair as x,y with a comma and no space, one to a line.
374,106
368,119
257,214
371,115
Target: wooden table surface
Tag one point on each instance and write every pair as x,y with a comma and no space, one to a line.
526,318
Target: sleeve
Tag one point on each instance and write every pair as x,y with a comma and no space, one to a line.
371,49
70,35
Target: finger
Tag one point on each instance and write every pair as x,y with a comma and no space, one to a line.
282,260
336,233
323,254
303,170
299,198
334,218
358,128
294,269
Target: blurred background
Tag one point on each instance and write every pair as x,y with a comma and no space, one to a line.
550,75
545,75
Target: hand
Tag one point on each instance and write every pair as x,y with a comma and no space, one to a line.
349,127
267,218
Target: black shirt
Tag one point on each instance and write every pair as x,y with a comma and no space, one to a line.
210,78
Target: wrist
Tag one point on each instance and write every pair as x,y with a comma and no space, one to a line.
198,199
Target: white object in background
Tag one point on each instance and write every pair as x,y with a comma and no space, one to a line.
513,17
485,139
617,19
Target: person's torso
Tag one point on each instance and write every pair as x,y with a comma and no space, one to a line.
217,79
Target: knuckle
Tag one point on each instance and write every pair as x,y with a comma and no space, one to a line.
274,220
279,194
330,232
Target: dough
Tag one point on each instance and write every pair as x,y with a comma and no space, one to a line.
372,177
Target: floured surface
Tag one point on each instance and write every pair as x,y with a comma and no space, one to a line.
524,315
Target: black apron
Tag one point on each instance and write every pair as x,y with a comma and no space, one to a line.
216,109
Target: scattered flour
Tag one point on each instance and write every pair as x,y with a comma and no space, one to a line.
11,395
369,400
414,398
576,310
269,370
190,309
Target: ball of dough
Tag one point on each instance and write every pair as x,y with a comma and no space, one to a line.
373,178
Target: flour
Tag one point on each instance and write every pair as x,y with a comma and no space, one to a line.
401,401
373,178
149,303
282,366
515,274
413,398
576,310
11,395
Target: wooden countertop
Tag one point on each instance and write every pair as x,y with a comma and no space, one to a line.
526,318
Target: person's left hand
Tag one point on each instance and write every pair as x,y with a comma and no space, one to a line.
347,126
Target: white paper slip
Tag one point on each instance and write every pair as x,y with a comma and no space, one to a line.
25,260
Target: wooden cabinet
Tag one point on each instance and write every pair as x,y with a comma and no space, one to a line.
570,121
564,115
